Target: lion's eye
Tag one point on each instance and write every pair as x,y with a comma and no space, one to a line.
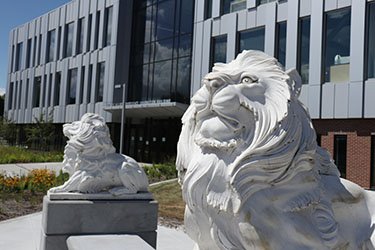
248,79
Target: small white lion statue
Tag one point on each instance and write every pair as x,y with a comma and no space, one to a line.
93,164
252,174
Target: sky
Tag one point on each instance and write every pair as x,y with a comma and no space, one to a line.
14,13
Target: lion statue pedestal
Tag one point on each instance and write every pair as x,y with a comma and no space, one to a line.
107,193
252,174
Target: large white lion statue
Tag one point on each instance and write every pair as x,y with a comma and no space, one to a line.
93,164
252,174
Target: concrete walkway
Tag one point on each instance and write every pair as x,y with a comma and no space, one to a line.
21,169
24,233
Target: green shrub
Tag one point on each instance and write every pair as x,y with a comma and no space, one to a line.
11,154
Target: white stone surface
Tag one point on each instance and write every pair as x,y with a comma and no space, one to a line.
252,174
93,164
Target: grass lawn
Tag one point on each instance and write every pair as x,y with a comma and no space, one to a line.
171,204
10,154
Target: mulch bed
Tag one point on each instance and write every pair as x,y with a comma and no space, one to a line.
18,204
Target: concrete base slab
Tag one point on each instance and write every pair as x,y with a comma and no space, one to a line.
105,242
64,218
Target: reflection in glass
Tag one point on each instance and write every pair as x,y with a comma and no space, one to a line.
36,91
50,46
183,77
219,50
207,9
165,21
108,27
162,80
19,56
184,48
28,53
82,84
187,9
371,41
162,35
72,86
251,39
233,5
281,43
100,82
80,35
304,49
57,89
163,49
337,46
265,1
69,29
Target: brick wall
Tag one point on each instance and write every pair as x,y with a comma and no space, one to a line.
358,131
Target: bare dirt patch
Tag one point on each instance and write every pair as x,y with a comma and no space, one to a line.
18,204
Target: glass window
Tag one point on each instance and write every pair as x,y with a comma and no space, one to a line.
27,93
251,39
69,29
281,43
44,86
207,9
108,26
100,82
49,90
187,10
10,96
72,86
20,95
232,5
183,80
16,97
162,80
97,24
80,35
184,47
58,44
371,40
57,89
82,85
304,49
163,49
19,56
28,53
159,40
34,52
265,1
11,59
88,40
337,46
219,50
340,153
50,46
165,21
36,91
40,49
89,83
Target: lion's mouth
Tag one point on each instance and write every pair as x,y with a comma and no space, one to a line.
219,132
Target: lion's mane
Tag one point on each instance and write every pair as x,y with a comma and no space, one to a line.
282,145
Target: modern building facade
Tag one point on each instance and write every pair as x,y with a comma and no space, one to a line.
161,49
330,42
77,58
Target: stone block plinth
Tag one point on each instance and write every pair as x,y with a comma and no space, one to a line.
66,215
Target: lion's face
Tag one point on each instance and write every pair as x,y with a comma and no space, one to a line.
237,105
89,138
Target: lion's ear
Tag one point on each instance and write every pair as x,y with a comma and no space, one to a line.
295,82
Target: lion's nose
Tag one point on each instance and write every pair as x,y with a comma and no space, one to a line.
211,84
